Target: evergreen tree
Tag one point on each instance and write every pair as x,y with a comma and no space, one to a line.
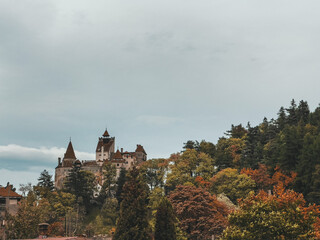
282,118
292,113
45,180
45,184
303,112
120,183
133,222
82,184
165,228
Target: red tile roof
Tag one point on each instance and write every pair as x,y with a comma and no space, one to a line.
8,192
70,153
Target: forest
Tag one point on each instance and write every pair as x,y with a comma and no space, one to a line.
255,182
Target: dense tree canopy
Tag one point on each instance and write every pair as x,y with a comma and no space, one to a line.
281,215
199,212
133,222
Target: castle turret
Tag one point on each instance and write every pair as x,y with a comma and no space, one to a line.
69,157
64,166
141,154
105,148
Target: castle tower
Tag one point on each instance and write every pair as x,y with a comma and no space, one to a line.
141,154
105,148
69,157
63,168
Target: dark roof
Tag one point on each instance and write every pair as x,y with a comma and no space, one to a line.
70,153
117,155
106,134
140,149
106,143
90,163
8,192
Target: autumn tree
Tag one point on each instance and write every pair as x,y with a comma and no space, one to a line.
133,221
261,176
199,212
31,212
187,166
165,227
232,184
281,215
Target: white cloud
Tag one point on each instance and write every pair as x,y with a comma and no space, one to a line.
20,177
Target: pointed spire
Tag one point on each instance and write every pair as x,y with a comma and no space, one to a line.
117,155
70,152
106,134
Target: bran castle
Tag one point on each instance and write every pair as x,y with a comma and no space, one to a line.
105,152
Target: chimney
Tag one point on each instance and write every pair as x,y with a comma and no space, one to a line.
59,161
121,150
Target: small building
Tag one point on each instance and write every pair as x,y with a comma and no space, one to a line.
8,203
8,200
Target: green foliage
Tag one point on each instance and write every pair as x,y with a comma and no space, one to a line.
45,184
81,184
30,213
232,184
120,183
283,215
133,223
154,171
109,178
165,228
187,166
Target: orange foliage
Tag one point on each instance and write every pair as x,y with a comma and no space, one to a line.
264,180
202,183
283,198
280,178
260,176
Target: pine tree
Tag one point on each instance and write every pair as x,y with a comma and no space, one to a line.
45,180
82,184
120,183
133,221
165,228
45,184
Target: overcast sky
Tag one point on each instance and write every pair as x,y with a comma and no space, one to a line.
155,73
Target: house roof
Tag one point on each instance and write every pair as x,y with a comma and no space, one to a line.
8,191
70,152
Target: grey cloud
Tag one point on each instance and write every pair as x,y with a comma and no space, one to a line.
69,68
